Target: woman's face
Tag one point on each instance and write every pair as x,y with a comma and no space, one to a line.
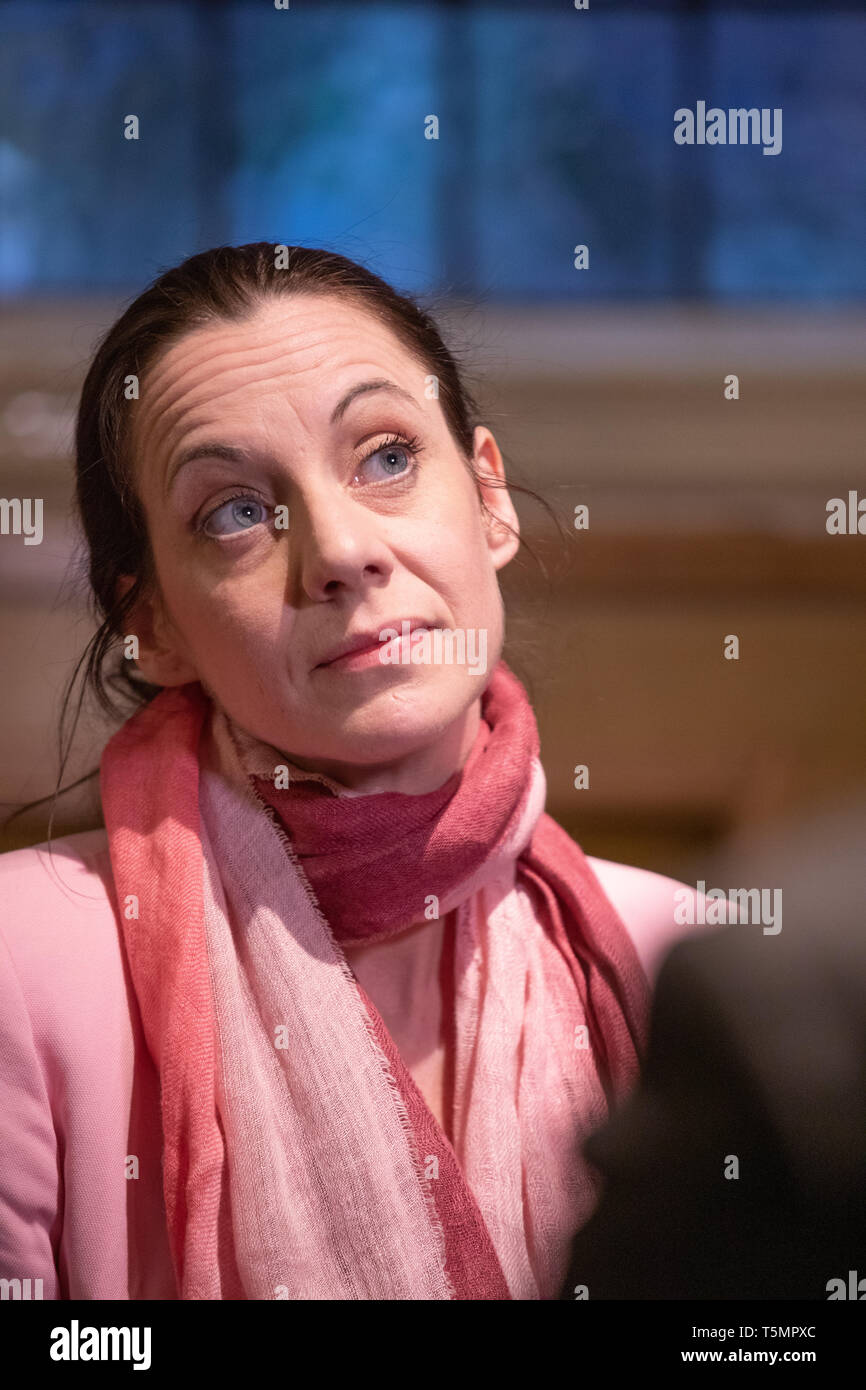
290,510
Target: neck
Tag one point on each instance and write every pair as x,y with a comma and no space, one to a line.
415,773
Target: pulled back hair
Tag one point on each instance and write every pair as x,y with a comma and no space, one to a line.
228,283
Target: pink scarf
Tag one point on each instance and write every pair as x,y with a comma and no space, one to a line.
300,1159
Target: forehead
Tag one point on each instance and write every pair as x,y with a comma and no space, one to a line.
303,348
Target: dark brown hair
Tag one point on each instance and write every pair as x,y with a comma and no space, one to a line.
227,283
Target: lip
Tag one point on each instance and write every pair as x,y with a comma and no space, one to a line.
363,644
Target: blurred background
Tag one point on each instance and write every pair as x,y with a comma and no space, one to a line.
604,386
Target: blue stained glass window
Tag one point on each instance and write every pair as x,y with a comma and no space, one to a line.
574,147
555,129
796,219
330,118
83,207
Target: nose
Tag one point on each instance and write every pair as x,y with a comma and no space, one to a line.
336,543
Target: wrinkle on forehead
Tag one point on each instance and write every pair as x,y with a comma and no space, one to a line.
187,374
172,371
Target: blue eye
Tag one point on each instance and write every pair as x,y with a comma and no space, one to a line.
246,511
389,453
398,456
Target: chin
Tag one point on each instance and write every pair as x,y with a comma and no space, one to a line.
403,717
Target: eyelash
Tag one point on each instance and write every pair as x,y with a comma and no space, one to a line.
412,446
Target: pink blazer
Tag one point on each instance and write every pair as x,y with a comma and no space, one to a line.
79,1093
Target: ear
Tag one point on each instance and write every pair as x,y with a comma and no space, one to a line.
503,542
161,657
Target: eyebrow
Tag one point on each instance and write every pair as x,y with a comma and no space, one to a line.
232,454
377,384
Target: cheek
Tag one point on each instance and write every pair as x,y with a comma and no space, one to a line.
225,623
247,621
464,566
471,594
453,539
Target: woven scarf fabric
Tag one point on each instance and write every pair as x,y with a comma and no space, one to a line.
300,1160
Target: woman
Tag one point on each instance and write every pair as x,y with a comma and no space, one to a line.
329,1007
